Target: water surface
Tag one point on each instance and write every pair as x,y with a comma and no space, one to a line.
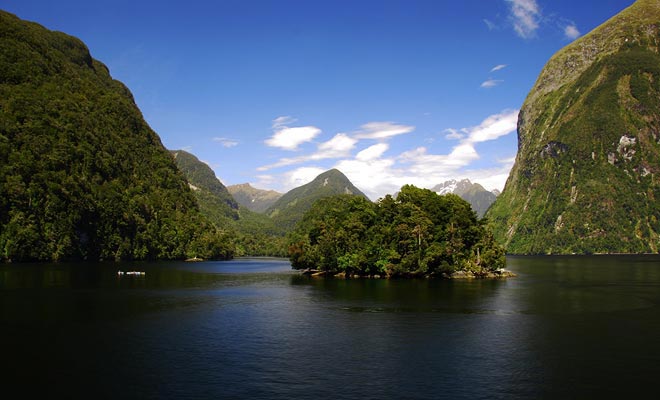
566,327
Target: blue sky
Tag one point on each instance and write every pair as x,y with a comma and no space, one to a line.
275,92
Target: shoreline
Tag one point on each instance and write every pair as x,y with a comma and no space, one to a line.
456,275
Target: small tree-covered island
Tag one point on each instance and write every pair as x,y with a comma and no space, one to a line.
416,234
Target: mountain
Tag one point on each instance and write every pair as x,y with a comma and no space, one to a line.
475,194
289,208
253,199
213,198
82,175
589,146
249,233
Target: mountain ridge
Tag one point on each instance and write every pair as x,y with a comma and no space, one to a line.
289,208
254,199
479,198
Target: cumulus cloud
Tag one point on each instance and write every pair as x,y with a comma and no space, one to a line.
490,83
376,173
287,138
374,176
571,32
453,134
301,176
339,146
498,67
525,15
382,130
225,142
493,127
372,152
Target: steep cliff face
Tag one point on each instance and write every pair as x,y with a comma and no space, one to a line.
585,177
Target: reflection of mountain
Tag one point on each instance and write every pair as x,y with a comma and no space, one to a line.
479,198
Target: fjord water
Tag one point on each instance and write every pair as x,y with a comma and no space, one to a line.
566,327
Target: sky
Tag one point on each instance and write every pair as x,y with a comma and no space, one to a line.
274,93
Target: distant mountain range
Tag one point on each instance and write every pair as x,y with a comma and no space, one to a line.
254,199
479,198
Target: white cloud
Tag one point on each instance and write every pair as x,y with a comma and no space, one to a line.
382,130
339,146
290,138
490,25
491,178
498,67
372,152
283,121
300,176
490,83
453,134
493,127
377,174
375,177
525,15
225,142
571,32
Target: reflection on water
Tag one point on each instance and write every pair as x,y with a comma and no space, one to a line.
252,328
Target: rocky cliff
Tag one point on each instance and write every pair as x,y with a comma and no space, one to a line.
584,179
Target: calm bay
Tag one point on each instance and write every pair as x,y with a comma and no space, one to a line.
566,327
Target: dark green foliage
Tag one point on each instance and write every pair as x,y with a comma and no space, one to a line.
82,176
418,233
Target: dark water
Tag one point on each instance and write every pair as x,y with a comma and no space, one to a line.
566,327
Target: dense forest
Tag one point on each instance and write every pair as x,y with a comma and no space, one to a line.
82,175
416,233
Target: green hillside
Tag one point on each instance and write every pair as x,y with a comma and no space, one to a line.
289,208
82,175
588,133
215,201
246,232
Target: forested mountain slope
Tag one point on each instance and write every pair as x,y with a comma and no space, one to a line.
82,175
289,209
584,179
